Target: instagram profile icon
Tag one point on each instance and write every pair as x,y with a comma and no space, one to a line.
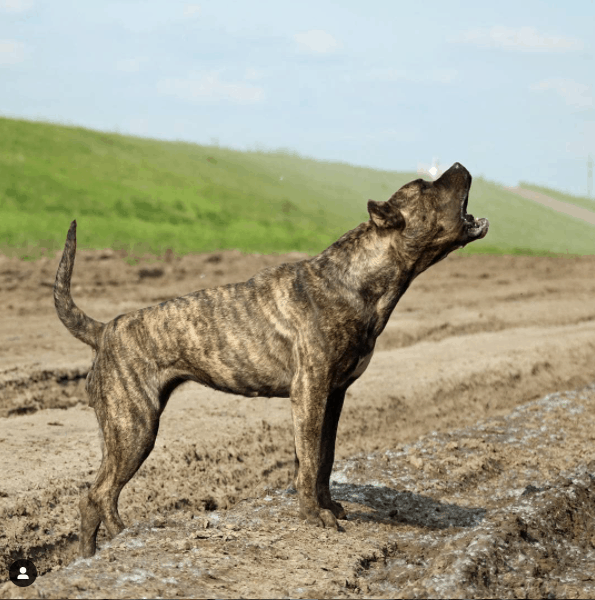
22,572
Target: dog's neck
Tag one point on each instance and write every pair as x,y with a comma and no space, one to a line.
364,268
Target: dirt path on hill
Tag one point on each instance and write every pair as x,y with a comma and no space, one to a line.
577,212
474,339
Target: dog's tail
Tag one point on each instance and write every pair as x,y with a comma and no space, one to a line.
76,321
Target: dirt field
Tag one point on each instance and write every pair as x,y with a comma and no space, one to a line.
463,471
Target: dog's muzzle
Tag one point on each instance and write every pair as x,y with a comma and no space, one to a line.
474,228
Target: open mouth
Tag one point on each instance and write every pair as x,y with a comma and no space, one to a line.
475,228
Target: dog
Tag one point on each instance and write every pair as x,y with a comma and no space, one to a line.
304,330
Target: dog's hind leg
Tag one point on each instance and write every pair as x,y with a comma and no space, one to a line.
129,430
332,413
90,521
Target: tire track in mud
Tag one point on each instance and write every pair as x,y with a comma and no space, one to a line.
25,391
532,475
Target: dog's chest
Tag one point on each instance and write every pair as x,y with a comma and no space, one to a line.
361,366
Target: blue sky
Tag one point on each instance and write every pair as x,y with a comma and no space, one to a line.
506,88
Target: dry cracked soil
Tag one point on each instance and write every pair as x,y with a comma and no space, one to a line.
464,454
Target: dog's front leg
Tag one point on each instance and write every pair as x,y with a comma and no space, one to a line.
308,407
334,406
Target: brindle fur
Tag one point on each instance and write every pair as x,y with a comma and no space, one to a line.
305,330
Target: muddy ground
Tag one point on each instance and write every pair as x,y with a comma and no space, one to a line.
464,471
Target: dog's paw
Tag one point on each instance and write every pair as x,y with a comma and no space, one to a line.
87,548
329,519
337,510
320,518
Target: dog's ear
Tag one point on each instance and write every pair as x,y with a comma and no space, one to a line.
386,215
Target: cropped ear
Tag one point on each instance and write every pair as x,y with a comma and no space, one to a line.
386,215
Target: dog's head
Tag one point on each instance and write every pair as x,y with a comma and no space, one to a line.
428,220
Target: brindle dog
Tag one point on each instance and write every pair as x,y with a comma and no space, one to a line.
305,330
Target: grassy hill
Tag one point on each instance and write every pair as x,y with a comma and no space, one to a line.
149,195
583,201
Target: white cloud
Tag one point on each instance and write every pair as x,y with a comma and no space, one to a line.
574,93
11,52
130,65
524,39
317,41
15,6
209,87
192,10
431,76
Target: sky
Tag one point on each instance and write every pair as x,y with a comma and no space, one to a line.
506,88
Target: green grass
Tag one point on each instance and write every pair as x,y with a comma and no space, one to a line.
583,201
148,195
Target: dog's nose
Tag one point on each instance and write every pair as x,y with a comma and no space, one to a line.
459,169
456,170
